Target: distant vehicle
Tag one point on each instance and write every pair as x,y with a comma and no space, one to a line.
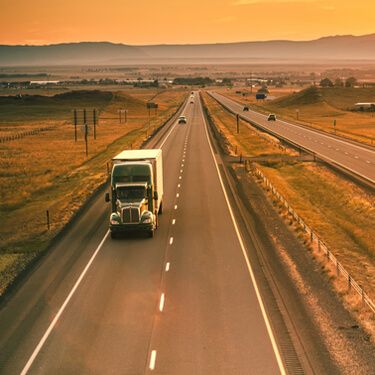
260,96
136,191
246,108
191,101
182,120
271,117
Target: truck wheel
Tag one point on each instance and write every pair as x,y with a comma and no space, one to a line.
113,235
151,233
161,208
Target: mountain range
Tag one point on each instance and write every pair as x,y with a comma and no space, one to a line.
342,47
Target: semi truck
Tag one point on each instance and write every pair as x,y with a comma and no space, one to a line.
136,191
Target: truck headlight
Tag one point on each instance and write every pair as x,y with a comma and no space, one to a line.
114,219
148,220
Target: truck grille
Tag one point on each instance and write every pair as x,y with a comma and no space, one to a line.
130,215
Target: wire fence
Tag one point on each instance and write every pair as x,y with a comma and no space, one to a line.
314,238
20,135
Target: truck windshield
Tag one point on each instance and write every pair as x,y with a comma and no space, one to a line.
131,192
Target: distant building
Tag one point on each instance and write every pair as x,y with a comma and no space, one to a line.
43,83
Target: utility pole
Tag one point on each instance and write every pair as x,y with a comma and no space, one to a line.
334,125
75,124
86,132
94,121
238,123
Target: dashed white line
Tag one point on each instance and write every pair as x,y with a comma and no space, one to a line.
179,185
167,267
368,161
161,303
177,195
171,241
175,207
173,221
180,178
152,360
181,170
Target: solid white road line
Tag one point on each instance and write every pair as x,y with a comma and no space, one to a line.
152,360
73,290
62,308
161,303
247,261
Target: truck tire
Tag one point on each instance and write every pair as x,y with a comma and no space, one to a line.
113,235
151,233
161,208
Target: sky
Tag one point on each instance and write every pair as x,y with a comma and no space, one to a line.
179,22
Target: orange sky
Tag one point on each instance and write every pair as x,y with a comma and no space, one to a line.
175,21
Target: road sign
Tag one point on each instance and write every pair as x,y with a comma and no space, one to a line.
152,105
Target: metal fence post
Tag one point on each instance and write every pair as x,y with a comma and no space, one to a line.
48,222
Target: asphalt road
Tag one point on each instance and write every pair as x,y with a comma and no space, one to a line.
184,302
353,157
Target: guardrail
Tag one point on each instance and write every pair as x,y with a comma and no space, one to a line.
340,270
349,172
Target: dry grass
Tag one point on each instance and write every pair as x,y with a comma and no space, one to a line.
328,204
334,104
250,142
50,171
341,213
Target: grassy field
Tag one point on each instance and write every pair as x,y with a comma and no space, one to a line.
319,107
341,213
50,171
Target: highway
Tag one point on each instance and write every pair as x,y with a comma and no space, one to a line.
184,302
352,157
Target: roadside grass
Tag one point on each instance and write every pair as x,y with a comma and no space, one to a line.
339,211
250,142
50,171
320,107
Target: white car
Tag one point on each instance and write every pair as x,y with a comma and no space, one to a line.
182,120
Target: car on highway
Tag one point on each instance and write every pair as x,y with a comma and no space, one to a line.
182,120
271,117
191,101
246,108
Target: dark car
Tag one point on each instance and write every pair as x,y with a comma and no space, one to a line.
246,108
271,117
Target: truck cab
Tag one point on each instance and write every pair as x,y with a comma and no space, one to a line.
136,191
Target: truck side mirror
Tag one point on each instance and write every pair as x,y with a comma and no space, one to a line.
156,196
107,197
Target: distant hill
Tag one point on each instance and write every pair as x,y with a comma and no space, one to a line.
345,47
338,98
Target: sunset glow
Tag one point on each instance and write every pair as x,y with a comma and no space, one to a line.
171,21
